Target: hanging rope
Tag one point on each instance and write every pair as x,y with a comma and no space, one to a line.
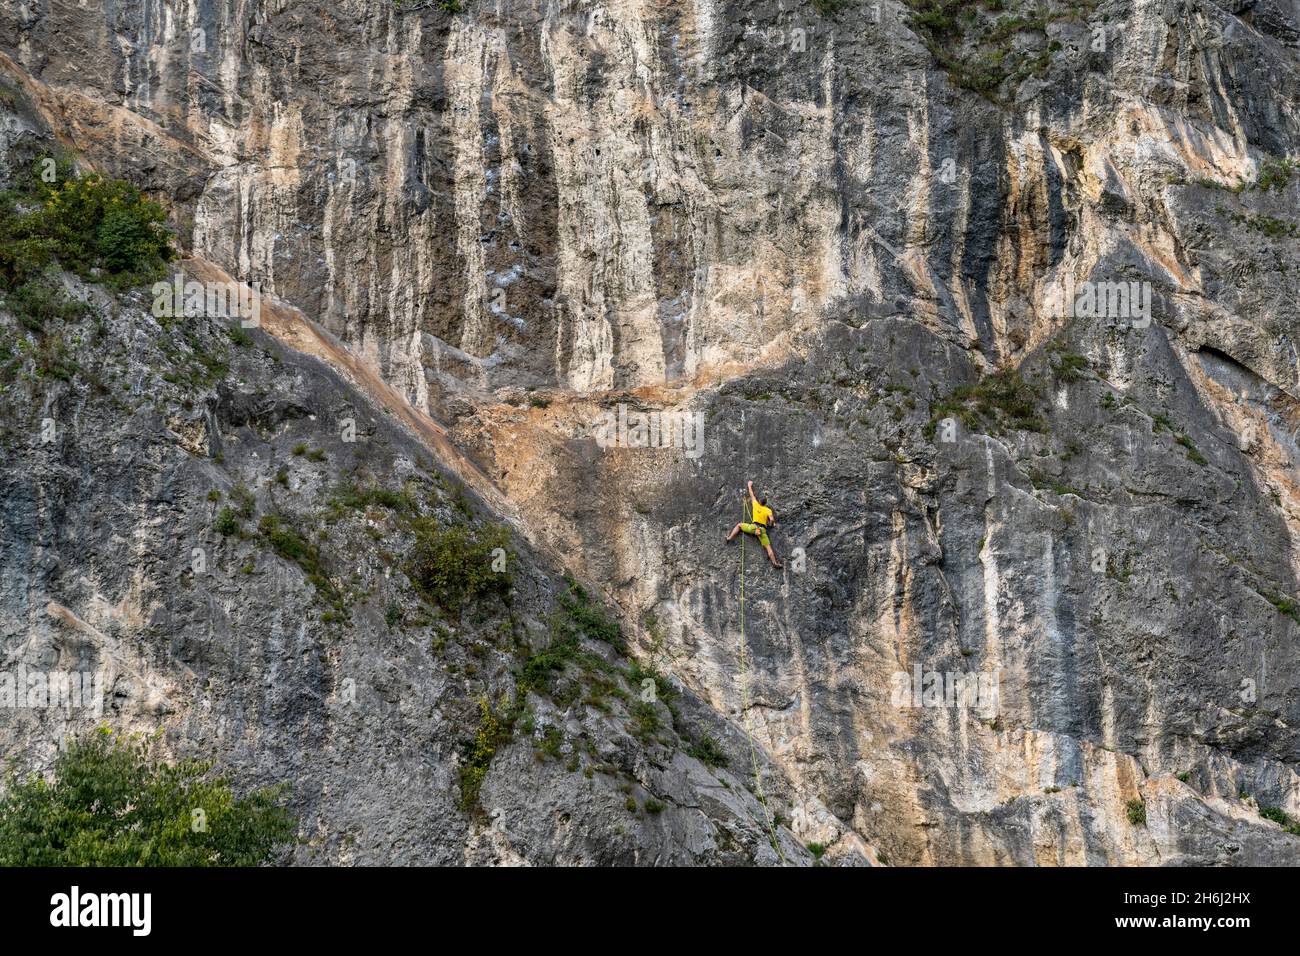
744,664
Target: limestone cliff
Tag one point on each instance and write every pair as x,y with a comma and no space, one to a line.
997,305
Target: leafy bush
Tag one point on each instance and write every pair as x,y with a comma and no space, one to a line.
111,804
1137,812
998,402
645,721
227,522
106,224
493,730
588,619
356,495
1276,174
101,229
1070,366
1283,604
453,566
39,301
1283,819
707,751
289,543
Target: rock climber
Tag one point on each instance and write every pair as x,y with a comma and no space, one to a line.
762,519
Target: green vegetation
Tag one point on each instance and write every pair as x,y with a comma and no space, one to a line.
239,336
1137,811
1069,366
446,6
552,743
588,619
1120,570
1269,226
1193,453
1161,422
102,229
111,804
1283,819
1040,480
227,522
1282,604
708,752
645,721
290,543
359,495
818,850
981,50
998,402
1276,174
494,729
230,519
565,647
393,616
40,301
453,566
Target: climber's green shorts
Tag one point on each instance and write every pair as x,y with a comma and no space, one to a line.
756,529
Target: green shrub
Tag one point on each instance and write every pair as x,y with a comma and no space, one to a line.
1276,814
1279,816
41,300
393,616
1000,401
1276,174
244,500
646,721
289,543
111,804
227,522
355,495
106,224
1070,366
1193,453
493,730
453,566
1137,811
53,359
707,751
1283,604
588,619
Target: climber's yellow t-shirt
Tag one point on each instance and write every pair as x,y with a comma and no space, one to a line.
761,514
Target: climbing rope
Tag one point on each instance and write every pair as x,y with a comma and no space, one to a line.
744,684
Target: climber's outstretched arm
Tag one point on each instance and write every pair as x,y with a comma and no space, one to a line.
752,496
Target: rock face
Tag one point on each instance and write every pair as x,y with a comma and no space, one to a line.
1001,319
220,529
